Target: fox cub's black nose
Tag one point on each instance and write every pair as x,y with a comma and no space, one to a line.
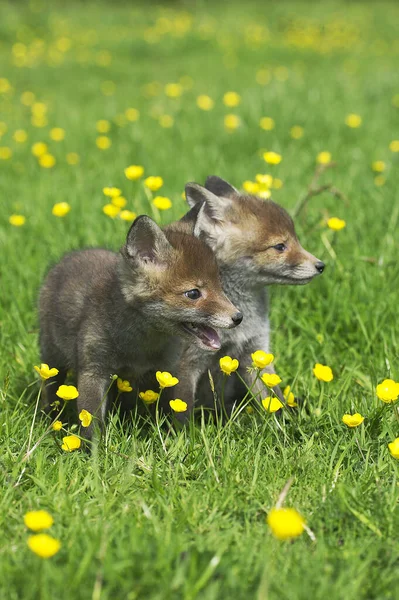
320,266
237,318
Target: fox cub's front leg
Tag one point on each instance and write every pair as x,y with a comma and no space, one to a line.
92,397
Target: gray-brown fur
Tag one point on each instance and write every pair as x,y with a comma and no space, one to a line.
104,313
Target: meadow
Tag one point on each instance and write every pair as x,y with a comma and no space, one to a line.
89,89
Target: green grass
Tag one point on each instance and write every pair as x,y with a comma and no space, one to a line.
136,521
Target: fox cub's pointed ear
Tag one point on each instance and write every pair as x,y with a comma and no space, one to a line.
215,207
147,242
220,187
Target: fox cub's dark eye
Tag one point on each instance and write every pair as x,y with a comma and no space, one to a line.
280,247
193,294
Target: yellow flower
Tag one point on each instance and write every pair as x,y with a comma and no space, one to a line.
5,153
178,405
394,448
39,121
379,180
162,203
61,209
322,372
266,123
57,425
289,397
134,172
132,114
228,365
251,187
271,379
123,385
43,545
261,359
173,90
47,161
127,215
231,122
353,420
20,136
394,146
17,220
112,192
57,134
45,372
119,201
336,224
27,98
285,523
36,520
71,443
378,166
154,183
149,396
231,99
39,148
165,379
72,158
272,158
205,102
352,120
388,390
166,121
67,392
271,404
39,108
5,85
103,142
85,418
265,194
103,126
277,183
265,181
323,158
296,132
111,210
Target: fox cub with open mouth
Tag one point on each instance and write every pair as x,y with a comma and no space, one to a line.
103,313
255,245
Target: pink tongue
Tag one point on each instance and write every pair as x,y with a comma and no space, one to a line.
210,337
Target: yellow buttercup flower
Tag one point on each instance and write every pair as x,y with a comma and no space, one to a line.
149,396
378,166
231,122
231,99
205,102
28,98
178,405
132,114
127,215
251,187
166,121
112,192
36,520
85,418
173,90
394,146
228,365
123,385
379,180
323,373
352,120
336,224
265,181
394,448
285,523
289,397
271,404
261,359
57,134
67,392
45,372
103,142
162,203
39,148
39,121
323,158
165,379
5,85
153,183
271,379
17,220
272,158
103,126
43,545
61,209
134,172
20,136
353,420
111,210
266,123
72,158
57,425
388,390
5,153
39,108
71,443
119,201
277,183
296,132
47,161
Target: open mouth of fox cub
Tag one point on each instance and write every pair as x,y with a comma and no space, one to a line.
206,335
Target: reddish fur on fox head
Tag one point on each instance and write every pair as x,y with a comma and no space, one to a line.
249,232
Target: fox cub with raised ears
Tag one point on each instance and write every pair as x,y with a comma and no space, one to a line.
255,245
104,313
